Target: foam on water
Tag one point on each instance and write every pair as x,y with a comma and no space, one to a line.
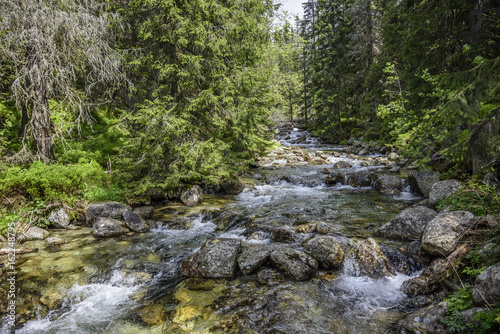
91,308
367,295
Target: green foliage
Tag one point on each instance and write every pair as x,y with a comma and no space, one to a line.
8,127
476,197
204,97
459,301
52,183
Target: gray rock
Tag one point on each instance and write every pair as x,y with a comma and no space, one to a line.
363,152
442,234
233,186
282,235
434,275
409,224
193,196
421,182
487,287
342,164
108,227
36,233
135,222
362,178
295,263
54,241
269,277
217,258
107,209
144,211
327,250
252,258
427,320
337,177
389,184
60,218
442,189
368,259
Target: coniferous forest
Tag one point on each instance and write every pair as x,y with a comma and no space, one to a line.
136,101
122,99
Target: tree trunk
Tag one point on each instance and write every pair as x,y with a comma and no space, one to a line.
40,118
291,106
24,121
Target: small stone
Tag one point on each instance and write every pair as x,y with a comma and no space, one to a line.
200,284
54,241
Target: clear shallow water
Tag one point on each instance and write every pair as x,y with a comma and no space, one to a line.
132,284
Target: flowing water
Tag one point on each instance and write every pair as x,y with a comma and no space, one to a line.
132,284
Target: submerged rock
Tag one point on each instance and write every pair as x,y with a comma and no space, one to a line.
54,241
487,287
282,235
442,189
389,184
252,258
427,320
108,227
307,228
442,234
270,277
295,263
216,259
193,196
421,182
135,222
326,250
409,224
144,211
107,209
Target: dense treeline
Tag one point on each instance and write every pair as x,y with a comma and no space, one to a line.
417,74
163,93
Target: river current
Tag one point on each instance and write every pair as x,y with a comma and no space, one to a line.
132,284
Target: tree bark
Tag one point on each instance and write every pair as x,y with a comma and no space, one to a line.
40,118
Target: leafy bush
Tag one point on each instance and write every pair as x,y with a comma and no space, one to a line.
52,182
478,198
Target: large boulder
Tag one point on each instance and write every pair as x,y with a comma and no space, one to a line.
362,178
442,234
252,258
327,250
60,218
432,276
107,209
135,222
295,263
368,259
427,320
193,196
108,227
442,189
487,287
421,182
216,259
389,184
409,224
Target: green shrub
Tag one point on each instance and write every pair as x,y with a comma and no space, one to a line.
478,198
52,183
